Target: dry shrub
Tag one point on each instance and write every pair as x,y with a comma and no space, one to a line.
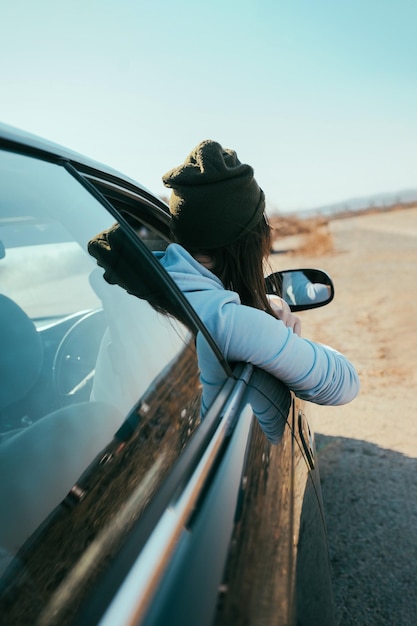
317,242
285,226
315,238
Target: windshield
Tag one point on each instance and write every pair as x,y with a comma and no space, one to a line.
45,217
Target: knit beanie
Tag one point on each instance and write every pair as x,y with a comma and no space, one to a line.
215,198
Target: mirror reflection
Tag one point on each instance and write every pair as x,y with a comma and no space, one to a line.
302,289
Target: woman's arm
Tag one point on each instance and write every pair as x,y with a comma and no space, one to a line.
314,371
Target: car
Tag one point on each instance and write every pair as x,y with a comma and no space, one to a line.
130,494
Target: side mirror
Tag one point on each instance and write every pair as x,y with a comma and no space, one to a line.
302,289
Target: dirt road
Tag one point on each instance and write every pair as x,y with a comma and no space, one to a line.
368,449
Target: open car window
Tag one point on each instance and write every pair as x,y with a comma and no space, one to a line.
100,387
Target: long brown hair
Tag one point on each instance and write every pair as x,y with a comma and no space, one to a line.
240,265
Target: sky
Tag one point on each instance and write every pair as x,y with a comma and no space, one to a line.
319,96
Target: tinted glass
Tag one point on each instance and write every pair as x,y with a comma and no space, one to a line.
99,392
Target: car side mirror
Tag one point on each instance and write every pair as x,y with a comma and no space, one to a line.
302,289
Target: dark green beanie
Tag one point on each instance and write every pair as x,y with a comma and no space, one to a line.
215,198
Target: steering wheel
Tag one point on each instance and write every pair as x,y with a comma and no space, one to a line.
75,359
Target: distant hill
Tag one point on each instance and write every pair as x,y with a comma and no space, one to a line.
380,201
313,225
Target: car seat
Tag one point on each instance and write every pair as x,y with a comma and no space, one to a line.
40,463
21,360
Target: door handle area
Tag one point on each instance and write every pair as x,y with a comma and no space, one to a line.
306,438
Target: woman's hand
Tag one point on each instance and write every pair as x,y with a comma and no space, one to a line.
283,312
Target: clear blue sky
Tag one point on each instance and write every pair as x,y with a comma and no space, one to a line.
320,96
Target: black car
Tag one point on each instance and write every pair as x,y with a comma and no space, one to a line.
119,503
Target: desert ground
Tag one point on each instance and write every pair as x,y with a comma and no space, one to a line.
368,449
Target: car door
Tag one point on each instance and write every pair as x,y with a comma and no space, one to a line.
278,569
313,594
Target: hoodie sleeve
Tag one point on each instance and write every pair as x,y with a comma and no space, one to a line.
316,372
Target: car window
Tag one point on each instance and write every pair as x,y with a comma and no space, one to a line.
100,388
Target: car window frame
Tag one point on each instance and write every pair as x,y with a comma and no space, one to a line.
166,280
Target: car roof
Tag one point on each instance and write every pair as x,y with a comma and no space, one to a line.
16,136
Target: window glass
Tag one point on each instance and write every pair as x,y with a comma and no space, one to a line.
100,390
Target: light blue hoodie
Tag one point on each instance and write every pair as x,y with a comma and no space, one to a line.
315,372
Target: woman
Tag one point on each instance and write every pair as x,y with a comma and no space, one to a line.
223,240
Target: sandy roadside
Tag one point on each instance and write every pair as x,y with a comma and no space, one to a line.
368,449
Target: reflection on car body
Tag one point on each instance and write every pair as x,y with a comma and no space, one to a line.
122,494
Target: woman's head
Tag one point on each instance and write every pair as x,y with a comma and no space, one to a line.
215,198
217,209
